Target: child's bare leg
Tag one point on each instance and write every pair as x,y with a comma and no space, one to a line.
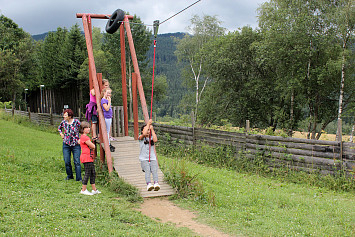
94,130
93,187
84,188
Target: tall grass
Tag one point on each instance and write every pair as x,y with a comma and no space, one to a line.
227,157
35,200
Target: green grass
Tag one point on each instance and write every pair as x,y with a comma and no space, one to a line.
36,201
252,205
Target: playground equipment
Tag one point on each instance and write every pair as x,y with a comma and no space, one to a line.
95,79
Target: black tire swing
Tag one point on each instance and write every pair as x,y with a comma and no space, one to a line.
115,21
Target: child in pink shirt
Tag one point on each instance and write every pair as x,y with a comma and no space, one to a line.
87,159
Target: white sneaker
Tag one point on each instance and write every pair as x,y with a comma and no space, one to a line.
156,187
150,187
95,192
86,192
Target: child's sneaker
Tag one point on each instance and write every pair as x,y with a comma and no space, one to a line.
86,192
150,187
156,187
95,192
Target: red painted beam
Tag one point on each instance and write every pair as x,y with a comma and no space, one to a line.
135,106
98,16
124,80
97,92
136,70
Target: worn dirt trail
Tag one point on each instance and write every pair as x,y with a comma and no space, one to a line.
163,210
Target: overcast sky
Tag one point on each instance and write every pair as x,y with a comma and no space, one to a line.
40,16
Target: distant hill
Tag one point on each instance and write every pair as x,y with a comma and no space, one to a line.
166,63
40,36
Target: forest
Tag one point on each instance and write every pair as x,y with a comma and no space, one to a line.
295,71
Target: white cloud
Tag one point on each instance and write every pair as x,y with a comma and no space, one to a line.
40,16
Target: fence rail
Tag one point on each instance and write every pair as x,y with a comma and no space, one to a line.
117,129
326,157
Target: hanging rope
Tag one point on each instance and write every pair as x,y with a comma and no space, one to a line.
151,99
156,27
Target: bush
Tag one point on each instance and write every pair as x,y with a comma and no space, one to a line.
2,105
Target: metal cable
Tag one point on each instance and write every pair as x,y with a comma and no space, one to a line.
179,12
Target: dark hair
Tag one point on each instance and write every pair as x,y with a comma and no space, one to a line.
70,112
83,125
146,141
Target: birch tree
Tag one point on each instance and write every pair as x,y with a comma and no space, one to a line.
343,19
188,50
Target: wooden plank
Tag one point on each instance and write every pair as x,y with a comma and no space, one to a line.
290,139
128,167
302,146
293,151
298,158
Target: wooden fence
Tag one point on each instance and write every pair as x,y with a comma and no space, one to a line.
326,157
117,128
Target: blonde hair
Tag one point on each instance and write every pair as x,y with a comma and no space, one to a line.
104,91
83,125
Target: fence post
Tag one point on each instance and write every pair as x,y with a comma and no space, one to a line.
29,113
50,116
13,110
114,121
247,126
340,139
193,128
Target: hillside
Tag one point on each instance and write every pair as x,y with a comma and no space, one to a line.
166,63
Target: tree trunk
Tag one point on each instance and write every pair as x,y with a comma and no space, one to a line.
290,131
315,117
342,82
325,124
13,103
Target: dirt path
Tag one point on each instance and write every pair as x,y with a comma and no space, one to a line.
161,209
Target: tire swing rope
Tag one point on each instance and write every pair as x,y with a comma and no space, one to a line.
156,27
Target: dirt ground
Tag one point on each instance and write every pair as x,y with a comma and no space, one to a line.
163,210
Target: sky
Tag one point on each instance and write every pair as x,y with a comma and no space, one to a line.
40,16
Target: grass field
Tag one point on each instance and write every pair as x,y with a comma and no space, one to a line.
36,201
257,206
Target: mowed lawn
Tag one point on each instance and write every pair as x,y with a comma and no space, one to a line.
35,200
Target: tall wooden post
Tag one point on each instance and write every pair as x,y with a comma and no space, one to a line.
136,70
97,92
124,80
135,106
101,131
